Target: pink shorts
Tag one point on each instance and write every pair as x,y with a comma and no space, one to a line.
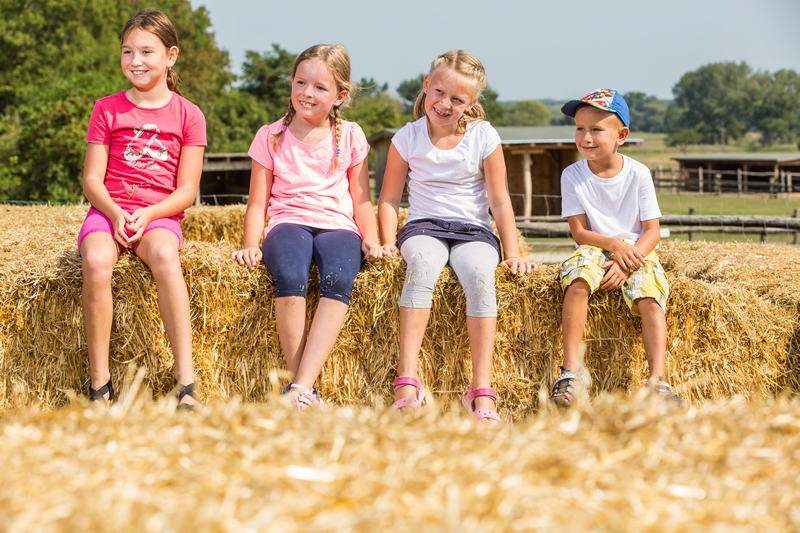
97,221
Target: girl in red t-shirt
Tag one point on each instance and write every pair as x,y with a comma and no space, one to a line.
142,169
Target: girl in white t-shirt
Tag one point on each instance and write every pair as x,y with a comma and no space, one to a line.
453,163
310,176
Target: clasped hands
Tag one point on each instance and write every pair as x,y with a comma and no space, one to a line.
627,259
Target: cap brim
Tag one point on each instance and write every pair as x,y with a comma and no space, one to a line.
570,107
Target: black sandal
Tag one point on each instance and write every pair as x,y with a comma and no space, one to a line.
186,390
99,394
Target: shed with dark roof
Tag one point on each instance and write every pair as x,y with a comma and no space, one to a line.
743,172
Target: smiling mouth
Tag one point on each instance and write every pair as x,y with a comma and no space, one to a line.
439,114
138,72
306,105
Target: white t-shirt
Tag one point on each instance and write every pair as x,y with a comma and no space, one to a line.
447,184
614,207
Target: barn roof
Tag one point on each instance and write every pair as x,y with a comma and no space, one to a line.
742,157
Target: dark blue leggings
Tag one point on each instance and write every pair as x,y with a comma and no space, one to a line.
289,248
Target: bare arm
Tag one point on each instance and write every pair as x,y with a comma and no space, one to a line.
254,217
363,212
394,180
190,169
494,168
94,174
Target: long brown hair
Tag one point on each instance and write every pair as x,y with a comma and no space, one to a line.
158,24
467,65
336,58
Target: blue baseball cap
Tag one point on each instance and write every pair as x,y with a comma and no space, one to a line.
605,99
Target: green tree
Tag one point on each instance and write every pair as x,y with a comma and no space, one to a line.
775,113
526,113
647,112
370,87
267,76
233,120
715,100
683,138
410,89
375,112
493,109
74,46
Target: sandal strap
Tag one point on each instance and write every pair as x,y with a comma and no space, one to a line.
487,392
98,394
481,414
187,390
402,381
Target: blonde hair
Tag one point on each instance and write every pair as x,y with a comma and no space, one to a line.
336,58
158,24
468,66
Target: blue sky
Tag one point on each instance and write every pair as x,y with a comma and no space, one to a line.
531,49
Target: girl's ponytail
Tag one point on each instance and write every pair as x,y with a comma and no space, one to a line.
287,119
337,121
174,81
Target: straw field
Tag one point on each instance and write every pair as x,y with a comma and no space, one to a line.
623,461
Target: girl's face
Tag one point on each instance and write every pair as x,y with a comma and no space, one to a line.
145,59
314,91
448,95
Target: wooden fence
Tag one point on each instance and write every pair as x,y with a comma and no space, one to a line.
556,227
704,180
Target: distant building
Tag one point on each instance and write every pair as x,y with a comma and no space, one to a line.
744,172
535,157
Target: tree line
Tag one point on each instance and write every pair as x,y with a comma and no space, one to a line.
58,56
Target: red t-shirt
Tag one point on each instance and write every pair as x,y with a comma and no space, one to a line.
144,146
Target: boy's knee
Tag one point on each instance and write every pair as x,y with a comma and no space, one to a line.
579,286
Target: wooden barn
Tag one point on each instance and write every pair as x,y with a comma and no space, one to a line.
535,157
742,172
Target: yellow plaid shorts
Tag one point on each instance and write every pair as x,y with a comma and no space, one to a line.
649,281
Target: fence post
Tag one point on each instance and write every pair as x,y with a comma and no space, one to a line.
699,181
789,183
674,188
739,180
794,215
691,212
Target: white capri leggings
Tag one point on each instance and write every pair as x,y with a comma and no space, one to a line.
474,263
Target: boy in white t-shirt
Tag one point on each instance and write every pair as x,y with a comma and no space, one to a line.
611,206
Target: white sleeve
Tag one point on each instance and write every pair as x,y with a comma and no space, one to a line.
402,141
648,201
570,205
491,139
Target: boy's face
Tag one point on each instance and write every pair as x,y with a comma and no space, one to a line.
598,133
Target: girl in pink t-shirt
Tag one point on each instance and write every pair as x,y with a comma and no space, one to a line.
310,177
142,169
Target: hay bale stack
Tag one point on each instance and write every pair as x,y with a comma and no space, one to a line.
770,271
723,341
212,224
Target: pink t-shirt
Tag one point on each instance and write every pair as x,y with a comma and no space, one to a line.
306,189
144,146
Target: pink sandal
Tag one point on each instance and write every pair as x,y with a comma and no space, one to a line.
305,397
468,401
414,403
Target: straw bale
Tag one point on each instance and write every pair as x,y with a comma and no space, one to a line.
770,271
615,465
723,339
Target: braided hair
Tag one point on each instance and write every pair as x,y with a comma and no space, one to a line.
468,66
337,60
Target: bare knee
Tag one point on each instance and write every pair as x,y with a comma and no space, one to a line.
98,265
578,289
162,257
649,308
